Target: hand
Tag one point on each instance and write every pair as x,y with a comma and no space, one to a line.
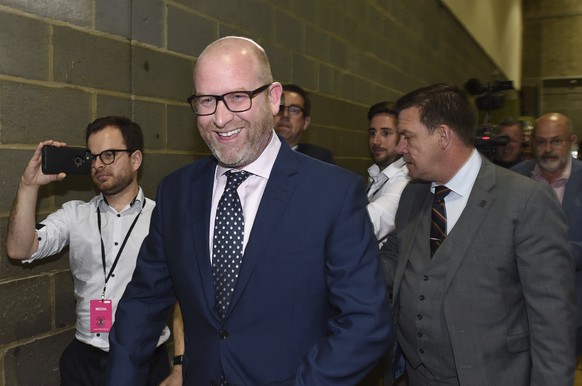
175,377
33,175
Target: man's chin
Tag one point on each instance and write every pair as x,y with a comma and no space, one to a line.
550,167
282,131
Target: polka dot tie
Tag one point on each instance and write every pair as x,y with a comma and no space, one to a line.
227,247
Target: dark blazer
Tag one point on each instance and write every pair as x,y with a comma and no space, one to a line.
572,205
316,152
309,307
509,292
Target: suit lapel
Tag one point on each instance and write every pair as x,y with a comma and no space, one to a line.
460,239
455,247
270,212
201,198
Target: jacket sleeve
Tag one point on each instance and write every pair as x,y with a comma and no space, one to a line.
142,311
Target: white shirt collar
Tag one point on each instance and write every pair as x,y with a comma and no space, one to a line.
263,165
463,181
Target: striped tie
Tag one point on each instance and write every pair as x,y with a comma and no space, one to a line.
438,226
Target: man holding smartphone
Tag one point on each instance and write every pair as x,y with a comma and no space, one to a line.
104,236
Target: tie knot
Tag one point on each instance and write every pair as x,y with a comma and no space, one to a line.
234,179
440,192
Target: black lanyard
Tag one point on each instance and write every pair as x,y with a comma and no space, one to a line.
108,276
377,190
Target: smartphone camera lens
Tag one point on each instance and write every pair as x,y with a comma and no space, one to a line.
78,161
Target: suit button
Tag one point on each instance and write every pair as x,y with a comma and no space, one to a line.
223,334
419,334
213,383
425,278
419,317
421,297
421,351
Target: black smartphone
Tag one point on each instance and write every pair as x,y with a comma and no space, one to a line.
70,160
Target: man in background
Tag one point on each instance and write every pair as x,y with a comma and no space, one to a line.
293,119
103,235
552,140
511,153
389,175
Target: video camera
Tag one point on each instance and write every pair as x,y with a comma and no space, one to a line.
488,98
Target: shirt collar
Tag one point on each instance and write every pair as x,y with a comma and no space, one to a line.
537,173
463,181
138,201
389,171
263,165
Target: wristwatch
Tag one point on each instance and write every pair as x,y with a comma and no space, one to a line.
178,360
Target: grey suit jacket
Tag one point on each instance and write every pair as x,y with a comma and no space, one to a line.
509,294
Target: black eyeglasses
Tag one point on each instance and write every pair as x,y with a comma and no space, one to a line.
107,156
236,101
294,110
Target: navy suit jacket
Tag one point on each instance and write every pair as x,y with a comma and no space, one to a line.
572,205
310,304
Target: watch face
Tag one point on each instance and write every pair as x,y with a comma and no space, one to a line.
178,360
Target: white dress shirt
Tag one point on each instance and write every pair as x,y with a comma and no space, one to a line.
461,185
384,190
75,225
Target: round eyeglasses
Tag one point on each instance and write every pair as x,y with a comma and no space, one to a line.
107,157
235,101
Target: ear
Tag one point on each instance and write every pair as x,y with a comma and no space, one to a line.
136,160
444,134
275,92
573,139
307,122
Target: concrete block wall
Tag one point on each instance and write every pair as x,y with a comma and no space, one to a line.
65,62
551,50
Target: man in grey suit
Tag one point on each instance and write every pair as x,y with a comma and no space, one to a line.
552,140
494,303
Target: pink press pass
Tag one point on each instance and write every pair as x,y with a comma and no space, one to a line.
101,314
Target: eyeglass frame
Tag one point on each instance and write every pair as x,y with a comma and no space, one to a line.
539,142
282,109
93,157
217,98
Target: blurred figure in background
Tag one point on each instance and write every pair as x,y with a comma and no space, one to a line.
511,153
294,118
389,175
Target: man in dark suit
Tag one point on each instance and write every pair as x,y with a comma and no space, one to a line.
293,118
553,164
483,279
313,311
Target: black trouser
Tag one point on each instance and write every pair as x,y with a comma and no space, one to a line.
84,365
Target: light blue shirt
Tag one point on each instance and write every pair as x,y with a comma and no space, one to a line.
461,186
